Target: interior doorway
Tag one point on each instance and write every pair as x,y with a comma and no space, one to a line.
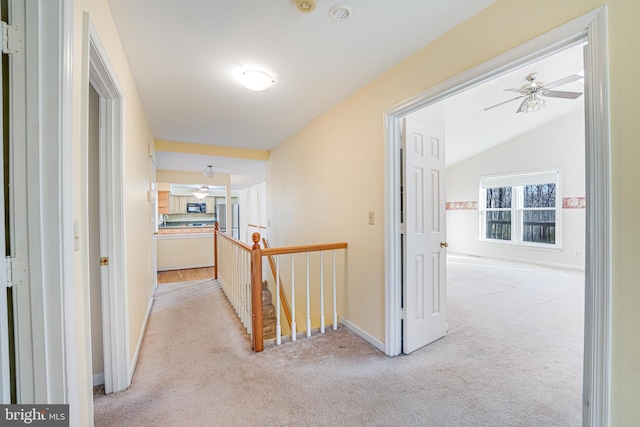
106,235
592,29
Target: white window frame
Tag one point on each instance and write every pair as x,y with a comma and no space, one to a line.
517,181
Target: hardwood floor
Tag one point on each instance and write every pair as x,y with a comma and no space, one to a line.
187,275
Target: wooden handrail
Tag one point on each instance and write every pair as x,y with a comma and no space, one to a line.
306,248
235,241
283,296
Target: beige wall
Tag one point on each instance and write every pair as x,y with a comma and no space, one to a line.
184,252
324,179
137,173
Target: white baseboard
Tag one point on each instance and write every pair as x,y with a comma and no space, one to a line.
184,267
134,361
98,379
522,260
362,334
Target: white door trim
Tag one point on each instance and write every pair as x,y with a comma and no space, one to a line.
592,27
114,284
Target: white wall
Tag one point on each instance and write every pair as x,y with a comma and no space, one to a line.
559,144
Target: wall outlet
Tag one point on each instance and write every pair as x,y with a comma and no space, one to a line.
371,218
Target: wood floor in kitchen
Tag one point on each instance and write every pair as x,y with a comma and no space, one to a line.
186,275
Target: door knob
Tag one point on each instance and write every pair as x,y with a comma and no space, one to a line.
444,245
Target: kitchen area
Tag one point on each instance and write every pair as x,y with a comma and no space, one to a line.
186,221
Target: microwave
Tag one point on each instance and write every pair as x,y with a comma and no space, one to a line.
196,207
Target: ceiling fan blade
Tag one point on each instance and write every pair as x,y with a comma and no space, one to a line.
563,81
513,90
504,102
561,94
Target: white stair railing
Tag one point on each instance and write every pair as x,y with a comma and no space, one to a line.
315,287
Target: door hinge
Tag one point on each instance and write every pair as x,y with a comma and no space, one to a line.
403,144
403,228
403,314
9,270
12,39
104,261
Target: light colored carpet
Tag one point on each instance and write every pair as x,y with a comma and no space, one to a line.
512,357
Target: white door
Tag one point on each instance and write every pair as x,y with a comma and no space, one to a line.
424,257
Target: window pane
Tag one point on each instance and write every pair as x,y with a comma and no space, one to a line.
498,198
498,225
539,196
539,226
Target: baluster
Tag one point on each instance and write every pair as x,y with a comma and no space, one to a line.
321,295
308,303
278,328
293,300
335,308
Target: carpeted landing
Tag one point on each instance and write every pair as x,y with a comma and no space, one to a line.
512,357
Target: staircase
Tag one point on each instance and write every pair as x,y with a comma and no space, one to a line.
268,314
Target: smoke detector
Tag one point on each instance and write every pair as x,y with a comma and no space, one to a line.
306,6
340,12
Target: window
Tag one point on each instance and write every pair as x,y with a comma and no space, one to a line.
520,209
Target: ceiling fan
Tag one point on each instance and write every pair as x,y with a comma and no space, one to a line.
532,91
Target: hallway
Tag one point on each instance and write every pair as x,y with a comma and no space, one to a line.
509,358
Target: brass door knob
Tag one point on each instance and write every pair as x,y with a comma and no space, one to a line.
444,245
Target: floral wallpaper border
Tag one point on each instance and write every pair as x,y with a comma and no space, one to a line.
567,203
462,206
574,203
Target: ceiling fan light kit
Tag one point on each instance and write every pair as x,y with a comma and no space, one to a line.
202,192
532,91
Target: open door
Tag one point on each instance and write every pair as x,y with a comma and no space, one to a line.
424,257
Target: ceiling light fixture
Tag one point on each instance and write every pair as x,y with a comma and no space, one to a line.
256,80
531,104
306,6
208,172
202,192
340,12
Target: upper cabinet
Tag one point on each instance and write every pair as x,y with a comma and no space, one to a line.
163,202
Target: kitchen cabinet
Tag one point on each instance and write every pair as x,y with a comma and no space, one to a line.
174,204
163,202
211,204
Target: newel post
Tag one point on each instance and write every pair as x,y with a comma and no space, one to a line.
256,292
215,250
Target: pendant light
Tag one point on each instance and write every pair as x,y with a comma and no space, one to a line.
208,172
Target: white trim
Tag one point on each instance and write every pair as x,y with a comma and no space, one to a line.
134,362
593,27
362,334
98,379
42,238
521,261
101,75
184,267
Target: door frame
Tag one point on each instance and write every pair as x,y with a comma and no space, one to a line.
591,27
115,323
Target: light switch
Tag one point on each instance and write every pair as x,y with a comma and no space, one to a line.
371,218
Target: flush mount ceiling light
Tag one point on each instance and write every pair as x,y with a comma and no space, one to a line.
208,172
306,6
256,80
340,12
202,192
